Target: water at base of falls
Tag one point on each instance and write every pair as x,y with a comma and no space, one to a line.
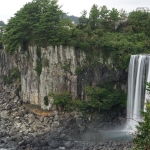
138,75
105,136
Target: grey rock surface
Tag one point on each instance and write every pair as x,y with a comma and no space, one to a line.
58,75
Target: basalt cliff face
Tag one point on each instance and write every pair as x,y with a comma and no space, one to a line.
63,69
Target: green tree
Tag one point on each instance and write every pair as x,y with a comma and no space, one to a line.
19,30
114,15
104,17
64,32
83,20
105,98
36,23
122,14
62,100
94,21
103,12
140,22
46,28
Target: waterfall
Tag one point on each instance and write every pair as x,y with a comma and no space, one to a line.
138,75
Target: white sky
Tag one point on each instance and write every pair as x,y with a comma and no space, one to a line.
73,7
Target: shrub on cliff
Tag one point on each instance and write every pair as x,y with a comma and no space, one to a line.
99,99
13,75
142,139
62,99
105,98
46,102
38,67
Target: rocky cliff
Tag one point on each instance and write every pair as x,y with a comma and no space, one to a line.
63,69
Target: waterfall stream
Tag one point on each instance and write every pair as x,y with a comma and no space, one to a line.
138,75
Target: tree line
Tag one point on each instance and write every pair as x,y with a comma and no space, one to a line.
104,33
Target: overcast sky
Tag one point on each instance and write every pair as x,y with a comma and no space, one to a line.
73,7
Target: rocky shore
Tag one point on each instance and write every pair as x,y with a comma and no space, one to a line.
25,127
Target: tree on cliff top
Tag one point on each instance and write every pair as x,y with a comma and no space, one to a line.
94,14
140,22
36,23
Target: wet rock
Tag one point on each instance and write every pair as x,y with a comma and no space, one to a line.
62,136
53,144
69,144
44,143
22,143
17,138
79,121
2,141
34,141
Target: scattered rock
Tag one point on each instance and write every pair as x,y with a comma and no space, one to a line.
4,114
53,144
23,130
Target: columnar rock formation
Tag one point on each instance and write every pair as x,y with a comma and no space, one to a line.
59,75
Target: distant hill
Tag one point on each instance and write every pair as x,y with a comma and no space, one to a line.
2,23
72,18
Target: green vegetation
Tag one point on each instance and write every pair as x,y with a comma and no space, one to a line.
37,23
65,102
14,74
79,70
104,34
103,98
38,52
46,102
19,88
62,100
2,29
38,67
66,67
142,139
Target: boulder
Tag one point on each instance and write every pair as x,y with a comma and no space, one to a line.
68,144
31,118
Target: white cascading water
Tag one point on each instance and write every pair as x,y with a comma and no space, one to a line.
138,75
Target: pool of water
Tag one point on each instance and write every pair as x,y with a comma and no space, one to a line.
109,135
